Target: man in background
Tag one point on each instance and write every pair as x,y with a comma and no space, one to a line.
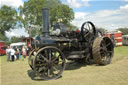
13,57
24,52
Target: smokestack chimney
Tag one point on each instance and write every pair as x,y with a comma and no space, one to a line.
45,14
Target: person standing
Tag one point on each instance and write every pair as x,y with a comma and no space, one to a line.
24,52
12,54
17,53
8,53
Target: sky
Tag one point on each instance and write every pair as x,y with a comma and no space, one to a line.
108,14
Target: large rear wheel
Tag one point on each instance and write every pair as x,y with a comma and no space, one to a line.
102,50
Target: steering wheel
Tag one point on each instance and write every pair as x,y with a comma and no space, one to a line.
88,30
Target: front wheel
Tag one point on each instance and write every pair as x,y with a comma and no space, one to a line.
49,63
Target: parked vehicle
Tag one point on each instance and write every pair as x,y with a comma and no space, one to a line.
125,39
18,45
2,48
116,37
50,52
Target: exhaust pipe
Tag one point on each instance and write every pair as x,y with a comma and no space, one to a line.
45,16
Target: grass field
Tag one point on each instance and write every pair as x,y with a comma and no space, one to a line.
19,72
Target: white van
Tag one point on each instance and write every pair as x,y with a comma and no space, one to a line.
125,39
18,45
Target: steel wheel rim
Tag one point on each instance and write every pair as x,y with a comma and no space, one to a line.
30,61
51,65
88,26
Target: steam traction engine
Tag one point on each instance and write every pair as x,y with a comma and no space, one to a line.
50,51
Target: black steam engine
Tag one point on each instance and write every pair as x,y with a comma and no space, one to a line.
50,50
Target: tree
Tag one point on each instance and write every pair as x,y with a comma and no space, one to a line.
72,27
8,19
34,30
123,30
15,39
3,37
32,10
102,30
63,12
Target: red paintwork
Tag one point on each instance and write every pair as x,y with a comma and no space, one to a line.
2,51
117,36
119,40
2,43
78,31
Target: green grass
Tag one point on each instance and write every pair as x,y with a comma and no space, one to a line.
18,72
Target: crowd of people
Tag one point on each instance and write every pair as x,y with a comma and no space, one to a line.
15,54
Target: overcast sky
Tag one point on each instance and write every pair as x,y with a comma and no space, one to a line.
109,14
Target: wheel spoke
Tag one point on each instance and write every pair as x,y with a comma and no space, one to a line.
88,26
103,48
44,58
86,34
50,55
56,57
104,43
57,63
55,68
48,72
108,44
40,69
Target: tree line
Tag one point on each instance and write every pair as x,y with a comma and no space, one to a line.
29,16
123,30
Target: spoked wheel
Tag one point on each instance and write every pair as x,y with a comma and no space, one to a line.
88,30
102,50
31,58
49,63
